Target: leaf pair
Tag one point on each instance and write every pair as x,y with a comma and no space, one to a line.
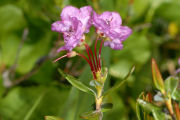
79,85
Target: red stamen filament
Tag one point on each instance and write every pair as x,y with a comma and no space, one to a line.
100,54
60,58
90,64
96,53
92,56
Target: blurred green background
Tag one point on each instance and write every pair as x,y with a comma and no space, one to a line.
30,85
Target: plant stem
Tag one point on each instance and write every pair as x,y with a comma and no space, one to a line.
169,106
99,99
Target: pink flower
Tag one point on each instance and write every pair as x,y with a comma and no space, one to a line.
75,22
109,24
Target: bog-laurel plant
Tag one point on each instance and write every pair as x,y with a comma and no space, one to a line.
74,25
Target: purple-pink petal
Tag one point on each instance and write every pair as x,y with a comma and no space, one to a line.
83,14
114,45
72,32
109,23
121,33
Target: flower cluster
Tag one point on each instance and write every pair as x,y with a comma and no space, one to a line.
76,22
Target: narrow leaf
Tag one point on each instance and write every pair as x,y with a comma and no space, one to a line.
38,101
138,112
138,109
157,78
158,115
120,83
92,115
52,118
76,83
106,107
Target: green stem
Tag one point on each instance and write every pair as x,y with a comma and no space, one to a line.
99,100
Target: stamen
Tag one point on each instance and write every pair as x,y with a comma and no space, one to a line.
90,64
60,58
92,56
100,53
96,53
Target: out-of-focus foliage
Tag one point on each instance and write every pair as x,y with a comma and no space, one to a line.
156,33
161,104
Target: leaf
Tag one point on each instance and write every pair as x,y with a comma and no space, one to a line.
11,18
171,84
138,109
92,115
52,118
32,103
157,78
176,95
148,107
37,102
115,87
76,83
158,114
139,112
106,107
170,14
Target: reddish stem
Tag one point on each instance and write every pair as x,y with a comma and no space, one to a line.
96,53
100,54
60,58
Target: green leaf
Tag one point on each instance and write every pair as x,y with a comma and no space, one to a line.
171,14
76,83
158,114
139,110
148,107
52,118
171,84
106,107
11,18
176,95
32,103
92,115
115,87
157,78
